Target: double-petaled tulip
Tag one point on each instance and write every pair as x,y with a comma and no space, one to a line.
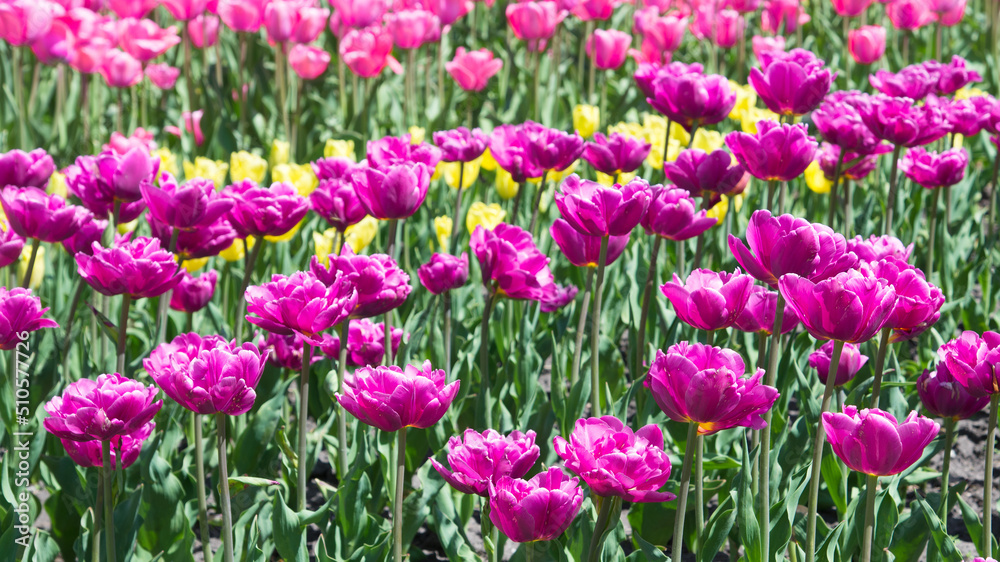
395,192
193,293
954,76
242,15
672,214
863,164
300,304
964,117
511,264
26,169
765,44
308,62
100,181
145,40
707,175
903,123
615,462
20,314
139,268
876,248
943,396
207,375
539,509
365,343
534,22
479,459
873,442
597,210
851,361
510,147
391,398
913,82
554,297
185,206
918,304
692,99
839,122
387,152
551,149
367,51
32,213
615,154
380,283
583,250
412,28
931,169
709,300
287,351
100,410
472,70
758,315
866,44
127,446
334,198
607,48
973,360
461,144
11,244
776,153
444,272
203,241
788,87
850,307
264,211
697,383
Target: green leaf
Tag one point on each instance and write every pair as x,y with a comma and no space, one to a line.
745,513
835,478
289,536
945,544
717,530
239,483
127,525
649,550
886,516
973,524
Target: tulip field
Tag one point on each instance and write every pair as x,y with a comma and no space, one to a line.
550,280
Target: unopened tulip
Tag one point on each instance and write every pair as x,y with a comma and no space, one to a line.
308,62
203,30
412,28
472,70
365,343
866,44
109,407
873,442
709,300
534,21
849,307
908,14
242,15
300,304
20,314
395,193
391,398
193,293
943,396
539,509
851,361
444,272
479,459
608,48
931,170
121,70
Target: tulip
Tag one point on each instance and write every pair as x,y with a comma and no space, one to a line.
391,398
88,453
850,8
34,214
661,37
26,169
111,406
729,28
163,76
782,16
583,250
444,272
789,88
412,28
308,62
851,361
908,15
365,343
461,144
943,396
358,13
11,244
534,22
866,44
260,211
608,48
596,210
334,198
395,193
480,459
586,120
932,170
367,51
913,82
767,45
865,303
121,70
775,153
185,10
876,248
387,152
138,268
615,155
709,300
509,146
954,76
193,294
707,175
203,241
203,30
555,297
692,100
472,70
300,304
839,122
510,262
20,314
539,509
380,283
145,40
286,351
186,206
758,315
22,22
131,8
242,15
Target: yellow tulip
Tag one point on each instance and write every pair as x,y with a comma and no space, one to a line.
718,211
752,115
288,235
214,170
586,120
37,270
506,186
746,98
655,128
968,93
168,161
417,134
958,141
194,265
339,148
634,130
609,180
247,166
127,227
235,250
280,151
708,141
442,227
57,185
299,175
816,179
488,163
323,243
488,216
359,236
450,171
557,176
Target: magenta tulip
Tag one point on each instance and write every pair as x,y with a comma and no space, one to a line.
388,152
34,214
264,211
334,198
596,210
776,152
873,442
789,88
954,76
242,15
186,206
510,147
461,144
124,450
709,300
583,250
203,30
534,22
444,272
472,70
511,265
412,28
608,48
391,398
672,214
705,175
139,268
20,314
367,51
849,307
539,509
202,241
692,99
851,361
480,459
109,407
145,40
365,343
300,304
162,75
11,244
902,123
931,170
758,315
308,62
866,44
193,293
973,359
908,14
380,283
26,169
121,70
186,10
395,193
944,397
850,8
876,248
615,154
913,82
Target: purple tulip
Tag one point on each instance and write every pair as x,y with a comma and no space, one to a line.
583,250
758,316
100,410
20,314
596,210
697,383
776,152
511,264
615,462
365,343
335,198
380,283
125,174
127,447
395,193
709,176
11,244
286,351
551,149
954,76
32,213
849,307
963,117
97,192
788,87
555,297
802,57
193,293
444,272
672,214
873,442
26,169
207,375
902,123
187,206
646,74
973,360
918,304
510,147
942,396
388,152
300,304
851,361
479,459
203,241
693,100
877,247
461,144
709,300
863,164
913,82
264,211
616,154
391,398
931,169
838,120
139,268
533,510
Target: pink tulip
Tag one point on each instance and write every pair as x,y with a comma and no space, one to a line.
909,14
53,46
204,30
729,28
662,37
242,15
162,75
952,16
539,509
308,62
185,10
473,69
866,44
763,44
391,398
412,28
192,124
109,407
145,40
608,48
534,22
873,442
131,8
24,21
850,8
356,14
293,20
589,10
367,51
477,460
20,313
121,70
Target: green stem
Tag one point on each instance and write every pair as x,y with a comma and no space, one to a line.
484,360
890,207
251,263
535,102
224,504
22,113
871,490
689,449
772,187
601,526
489,530
932,219
699,492
456,222
782,195
831,215
536,206
341,412
765,433
199,460
31,263
122,337
447,332
595,332
949,442
397,505
988,480
517,202
279,71
883,348
581,326
161,311
820,441
647,296
303,416
107,469
848,210
681,261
